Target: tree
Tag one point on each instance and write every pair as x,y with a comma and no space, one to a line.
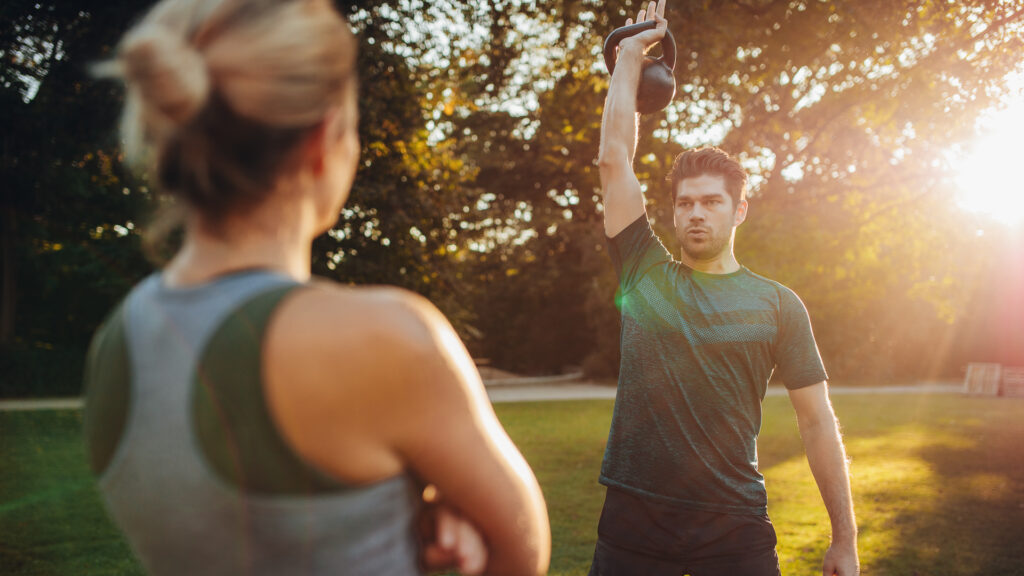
477,188
844,112
68,250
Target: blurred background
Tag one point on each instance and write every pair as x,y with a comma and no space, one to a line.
882,138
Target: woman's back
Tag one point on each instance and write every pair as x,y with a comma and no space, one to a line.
191,463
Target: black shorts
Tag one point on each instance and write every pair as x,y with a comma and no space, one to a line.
637,536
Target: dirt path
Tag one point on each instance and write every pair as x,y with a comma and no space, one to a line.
528,392
585,390
40,404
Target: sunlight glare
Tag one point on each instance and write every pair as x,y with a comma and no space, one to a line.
988,177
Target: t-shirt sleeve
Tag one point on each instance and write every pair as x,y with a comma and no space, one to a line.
797,360
634,251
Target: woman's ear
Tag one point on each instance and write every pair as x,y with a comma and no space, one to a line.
314,154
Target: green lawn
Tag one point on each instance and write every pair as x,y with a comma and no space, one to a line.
938,482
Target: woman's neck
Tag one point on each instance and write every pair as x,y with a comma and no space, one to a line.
265,238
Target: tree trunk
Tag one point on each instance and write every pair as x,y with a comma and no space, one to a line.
7,253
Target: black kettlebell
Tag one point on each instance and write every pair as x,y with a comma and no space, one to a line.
657,82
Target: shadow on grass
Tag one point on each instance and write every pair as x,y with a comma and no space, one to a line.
977,516
938,487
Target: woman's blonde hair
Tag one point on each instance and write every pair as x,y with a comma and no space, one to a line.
220,92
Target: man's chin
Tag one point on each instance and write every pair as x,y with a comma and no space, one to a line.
701,250
699,255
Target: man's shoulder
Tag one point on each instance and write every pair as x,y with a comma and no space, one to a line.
760,281
763,283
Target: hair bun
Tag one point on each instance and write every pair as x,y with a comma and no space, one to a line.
170,75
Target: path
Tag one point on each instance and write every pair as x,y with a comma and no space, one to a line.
586,390
543,393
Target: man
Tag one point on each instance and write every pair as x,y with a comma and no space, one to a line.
700,338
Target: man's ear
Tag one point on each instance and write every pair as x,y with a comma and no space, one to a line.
741,212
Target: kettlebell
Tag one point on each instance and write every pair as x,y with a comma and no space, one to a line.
657,82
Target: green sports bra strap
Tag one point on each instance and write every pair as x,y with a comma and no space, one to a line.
107,391
236,432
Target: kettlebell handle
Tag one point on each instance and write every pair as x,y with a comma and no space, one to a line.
668,44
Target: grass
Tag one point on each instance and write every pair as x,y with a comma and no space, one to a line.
51,519
938,483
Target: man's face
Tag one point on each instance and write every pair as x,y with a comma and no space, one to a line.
704,216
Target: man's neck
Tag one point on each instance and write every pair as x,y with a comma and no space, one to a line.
724,263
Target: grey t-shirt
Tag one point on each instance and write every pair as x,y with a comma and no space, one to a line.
697,352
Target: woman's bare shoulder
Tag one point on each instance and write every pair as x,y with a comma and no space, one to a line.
374,333
371,314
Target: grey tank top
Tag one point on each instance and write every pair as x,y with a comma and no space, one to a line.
180,515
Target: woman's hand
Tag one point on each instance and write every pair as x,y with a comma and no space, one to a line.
449,541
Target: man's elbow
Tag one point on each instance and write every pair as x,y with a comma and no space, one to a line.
611,157
818,425
612,163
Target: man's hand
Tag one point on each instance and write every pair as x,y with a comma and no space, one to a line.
648,38
841,560
447,540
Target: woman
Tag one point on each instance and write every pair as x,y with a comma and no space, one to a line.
242,418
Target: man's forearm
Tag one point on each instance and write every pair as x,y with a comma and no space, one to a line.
827,460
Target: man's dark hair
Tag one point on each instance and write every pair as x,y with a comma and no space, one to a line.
710,160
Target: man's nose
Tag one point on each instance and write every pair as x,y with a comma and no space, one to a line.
698,212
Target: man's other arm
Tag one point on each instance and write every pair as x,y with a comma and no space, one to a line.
827,459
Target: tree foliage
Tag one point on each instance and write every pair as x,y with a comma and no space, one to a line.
477,187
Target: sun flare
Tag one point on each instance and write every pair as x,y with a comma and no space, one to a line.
989,178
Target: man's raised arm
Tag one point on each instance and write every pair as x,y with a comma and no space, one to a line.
623,199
